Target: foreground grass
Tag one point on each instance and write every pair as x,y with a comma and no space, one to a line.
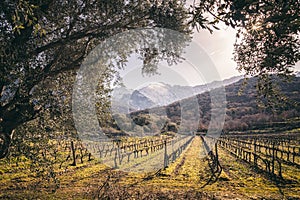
183,179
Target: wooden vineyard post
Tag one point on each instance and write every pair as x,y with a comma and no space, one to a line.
115,160
173,154
216,148
135,151
294,154
280,171
90,155
273,157
255,146
73,154
119,153
100,152
165,155
288,154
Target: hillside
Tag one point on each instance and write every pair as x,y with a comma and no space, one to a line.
243,112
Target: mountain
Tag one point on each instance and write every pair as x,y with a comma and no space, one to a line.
161,94
243,112
139,101
216,84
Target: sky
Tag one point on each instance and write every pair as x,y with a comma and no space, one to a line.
219,47
211,59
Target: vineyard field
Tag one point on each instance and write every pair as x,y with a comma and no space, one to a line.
197,167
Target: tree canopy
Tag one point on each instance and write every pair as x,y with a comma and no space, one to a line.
43,43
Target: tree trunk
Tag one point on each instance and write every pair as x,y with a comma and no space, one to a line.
5,141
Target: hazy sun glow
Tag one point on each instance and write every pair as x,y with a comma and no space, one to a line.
256,26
